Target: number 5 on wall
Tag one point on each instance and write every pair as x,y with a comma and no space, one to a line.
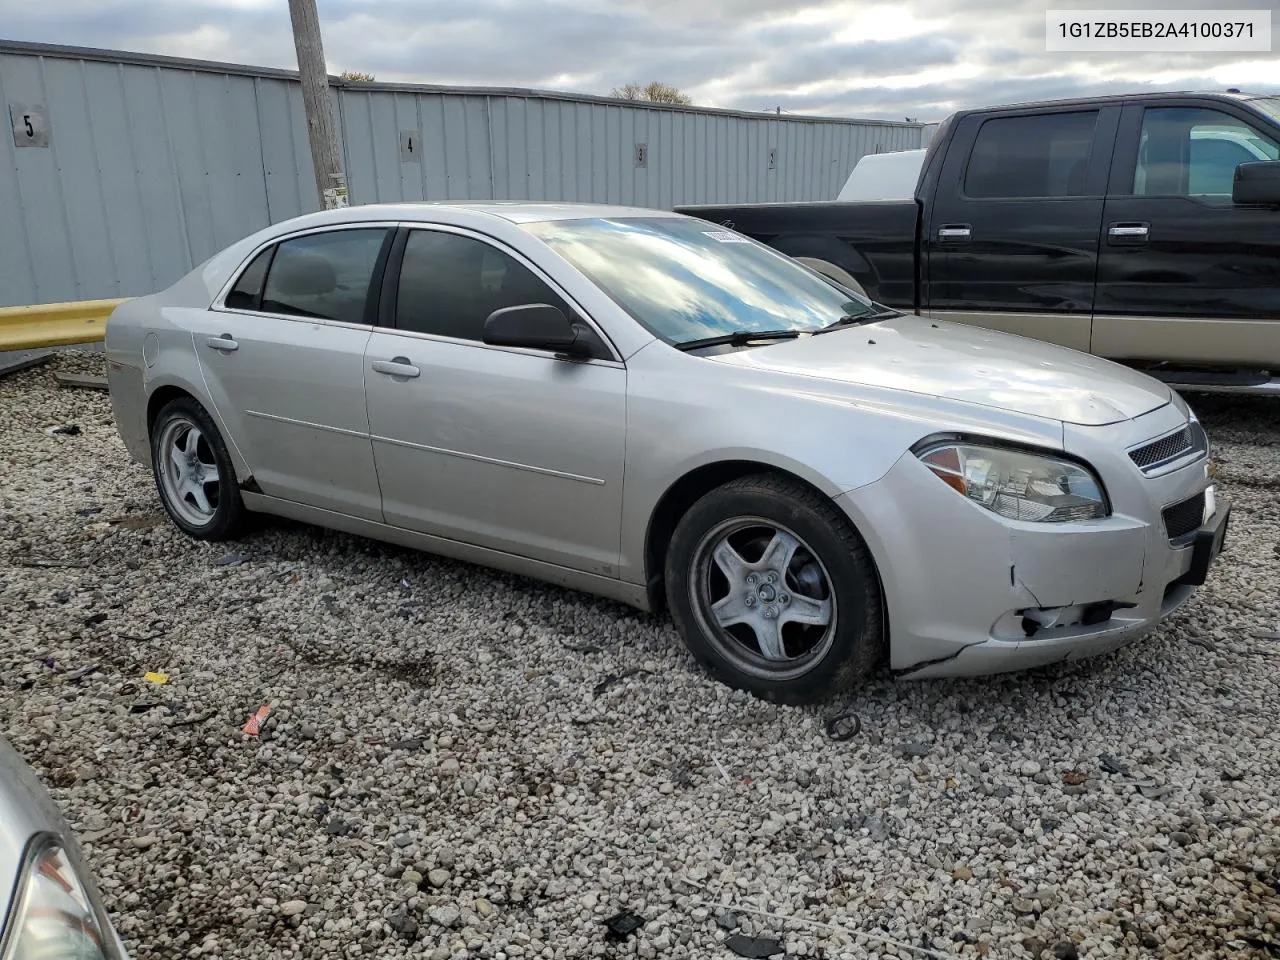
30,129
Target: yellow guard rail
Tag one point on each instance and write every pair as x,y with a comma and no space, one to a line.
54,324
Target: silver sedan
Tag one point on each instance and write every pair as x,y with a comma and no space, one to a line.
656,409
50,907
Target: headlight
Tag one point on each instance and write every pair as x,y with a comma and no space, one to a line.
54,919
1017,485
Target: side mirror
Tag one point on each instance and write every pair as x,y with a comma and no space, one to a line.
1257,183
537,325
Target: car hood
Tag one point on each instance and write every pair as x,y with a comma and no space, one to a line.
959,362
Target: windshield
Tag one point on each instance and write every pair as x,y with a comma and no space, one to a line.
1268,105
685,279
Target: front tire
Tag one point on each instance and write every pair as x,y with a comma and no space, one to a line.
194,474
774,591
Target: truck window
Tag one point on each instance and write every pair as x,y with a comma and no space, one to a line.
1037,156
1194,152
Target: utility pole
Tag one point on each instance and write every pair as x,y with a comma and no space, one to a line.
326,154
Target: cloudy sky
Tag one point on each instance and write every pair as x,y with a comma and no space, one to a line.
917,58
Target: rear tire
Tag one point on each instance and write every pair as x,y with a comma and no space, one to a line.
774,591
194,474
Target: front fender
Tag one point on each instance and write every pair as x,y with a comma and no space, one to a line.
686,412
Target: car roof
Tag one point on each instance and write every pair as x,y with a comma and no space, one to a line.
513,211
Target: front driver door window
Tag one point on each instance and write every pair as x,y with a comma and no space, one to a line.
507,449
1194,152
1184,274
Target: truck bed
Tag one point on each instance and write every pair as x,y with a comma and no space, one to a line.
886,233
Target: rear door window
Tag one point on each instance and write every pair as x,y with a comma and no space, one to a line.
1034,156
324,275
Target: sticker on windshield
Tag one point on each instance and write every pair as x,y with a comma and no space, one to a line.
723,236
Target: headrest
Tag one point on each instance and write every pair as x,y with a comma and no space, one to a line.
299,273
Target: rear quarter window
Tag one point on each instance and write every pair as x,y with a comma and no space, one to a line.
247,293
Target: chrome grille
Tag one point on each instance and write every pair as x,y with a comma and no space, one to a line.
1185,517
1151,456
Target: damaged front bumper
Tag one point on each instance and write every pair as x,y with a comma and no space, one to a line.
969,592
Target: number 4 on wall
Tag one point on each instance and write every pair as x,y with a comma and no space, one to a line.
410,146
30,128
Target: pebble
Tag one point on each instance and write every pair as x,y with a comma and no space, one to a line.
544,806
405,925
727,920
446,915
438,878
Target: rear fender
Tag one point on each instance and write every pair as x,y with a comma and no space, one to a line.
182,372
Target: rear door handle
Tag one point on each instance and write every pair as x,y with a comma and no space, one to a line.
223,343
955,231
396,367
1128,232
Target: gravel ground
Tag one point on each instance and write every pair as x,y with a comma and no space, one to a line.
463,763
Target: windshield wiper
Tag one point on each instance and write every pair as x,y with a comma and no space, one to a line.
853,320
739,338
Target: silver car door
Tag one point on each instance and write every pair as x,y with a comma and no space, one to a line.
505,448
284,364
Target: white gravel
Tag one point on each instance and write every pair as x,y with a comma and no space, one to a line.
447,774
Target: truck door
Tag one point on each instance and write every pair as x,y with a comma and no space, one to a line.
1184,274
1011,238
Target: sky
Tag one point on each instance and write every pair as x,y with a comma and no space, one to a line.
856,58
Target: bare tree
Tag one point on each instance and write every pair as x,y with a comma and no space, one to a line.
358,76
654,92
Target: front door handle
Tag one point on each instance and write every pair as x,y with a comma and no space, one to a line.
396,367
1135,232
955,232
223,343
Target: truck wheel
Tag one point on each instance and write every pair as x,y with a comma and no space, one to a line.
833,272
774,591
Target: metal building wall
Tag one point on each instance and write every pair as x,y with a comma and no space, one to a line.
519,147
149,170
155,163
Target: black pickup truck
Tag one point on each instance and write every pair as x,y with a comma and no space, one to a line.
1141,228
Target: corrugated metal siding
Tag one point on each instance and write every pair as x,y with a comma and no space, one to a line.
542,149
154,164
